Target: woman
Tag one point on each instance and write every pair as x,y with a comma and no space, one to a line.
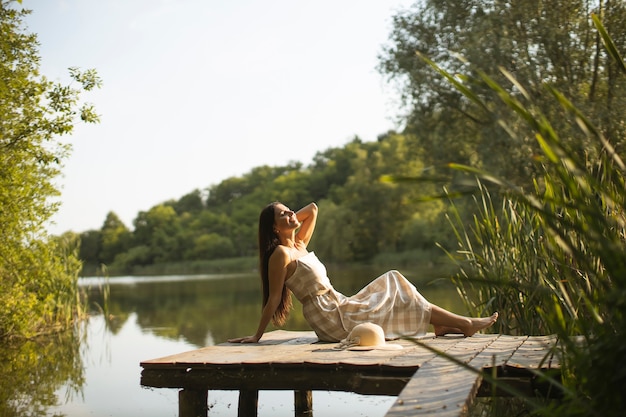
390,301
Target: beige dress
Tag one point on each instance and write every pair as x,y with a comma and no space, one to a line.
390,301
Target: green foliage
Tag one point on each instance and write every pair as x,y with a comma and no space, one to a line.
38,291
374,211
553,42
362,215
552,259
37,274
114,238
34,370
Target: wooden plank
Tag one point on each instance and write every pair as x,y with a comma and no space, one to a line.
416,355
470,347
499,352
435,389
364,380
276,337
441,387
536,352
235,354
261,354
293,355
353,358
209,353
525,370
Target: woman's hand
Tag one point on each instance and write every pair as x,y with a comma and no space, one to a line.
248,339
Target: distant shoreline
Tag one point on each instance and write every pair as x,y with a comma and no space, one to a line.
433,261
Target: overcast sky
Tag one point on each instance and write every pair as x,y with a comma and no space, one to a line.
197,91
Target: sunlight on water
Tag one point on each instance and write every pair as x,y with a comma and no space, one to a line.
133,280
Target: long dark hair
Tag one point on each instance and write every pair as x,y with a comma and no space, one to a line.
268,242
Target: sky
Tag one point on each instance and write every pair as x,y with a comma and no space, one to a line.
198,91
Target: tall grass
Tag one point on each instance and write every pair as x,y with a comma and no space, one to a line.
503,265
552,260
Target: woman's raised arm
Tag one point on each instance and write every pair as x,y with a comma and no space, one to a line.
307,216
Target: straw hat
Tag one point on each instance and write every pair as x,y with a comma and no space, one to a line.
366,336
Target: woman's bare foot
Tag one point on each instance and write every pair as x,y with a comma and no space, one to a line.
446,322
481,323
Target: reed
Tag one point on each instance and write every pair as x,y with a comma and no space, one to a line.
552,259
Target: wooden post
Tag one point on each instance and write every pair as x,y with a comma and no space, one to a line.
248,402
192,403
303,401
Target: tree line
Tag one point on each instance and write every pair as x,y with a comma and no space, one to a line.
362,215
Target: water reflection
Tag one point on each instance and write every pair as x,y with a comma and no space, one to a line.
112,372
209,309
33,370
94,370
200,311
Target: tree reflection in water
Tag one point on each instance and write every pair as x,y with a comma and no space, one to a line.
33,370
94,370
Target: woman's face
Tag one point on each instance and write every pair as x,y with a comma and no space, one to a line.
284,218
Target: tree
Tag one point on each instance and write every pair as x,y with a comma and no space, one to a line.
158,229
211,246
368,215
90,247
199,236
548,42
115,238
189,203
36,272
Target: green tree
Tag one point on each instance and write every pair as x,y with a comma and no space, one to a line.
241,199
90,247
159,230
189,203
331,169
115,238
333,232
206,235
37,273
548,42
368,215
211,246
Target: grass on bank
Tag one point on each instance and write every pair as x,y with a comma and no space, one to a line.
433,260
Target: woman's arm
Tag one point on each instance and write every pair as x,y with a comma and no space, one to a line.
277,272
307,216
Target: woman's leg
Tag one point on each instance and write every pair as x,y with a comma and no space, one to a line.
446,322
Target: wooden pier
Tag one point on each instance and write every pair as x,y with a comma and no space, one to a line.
425,382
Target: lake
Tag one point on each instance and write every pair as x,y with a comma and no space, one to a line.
94,369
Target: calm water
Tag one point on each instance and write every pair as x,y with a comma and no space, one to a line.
94,370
